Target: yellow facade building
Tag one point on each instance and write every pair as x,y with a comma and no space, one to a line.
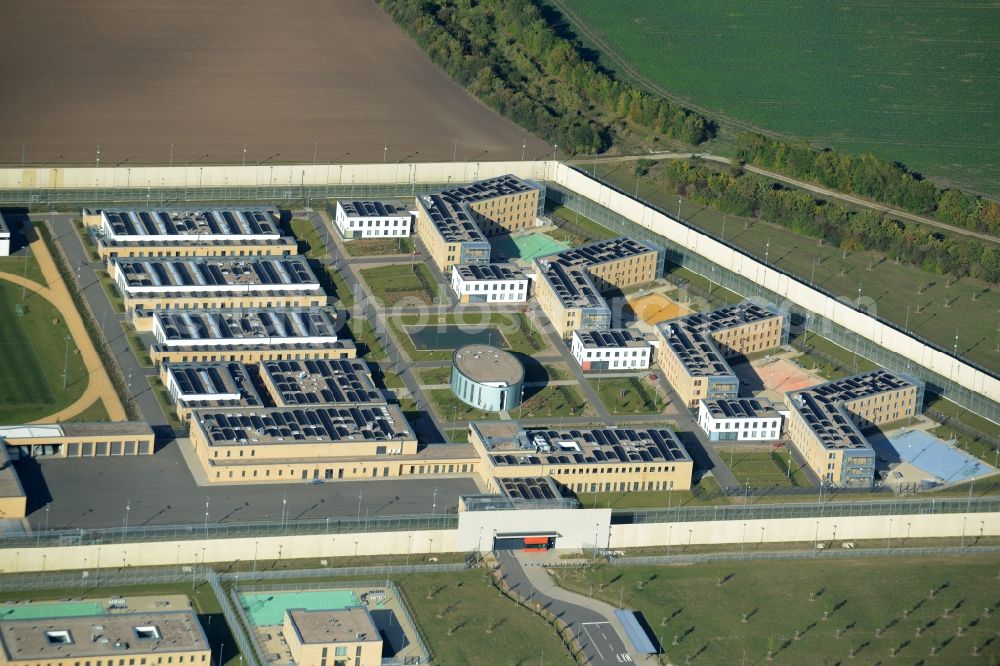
693,351
825,422
344,637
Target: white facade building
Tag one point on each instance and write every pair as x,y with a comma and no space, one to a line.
739,420
611,349
373,219
4,238
489,283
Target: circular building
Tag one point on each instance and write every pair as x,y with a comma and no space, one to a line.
487,378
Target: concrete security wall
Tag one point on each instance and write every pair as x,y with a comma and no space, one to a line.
173,553
841,528
577,528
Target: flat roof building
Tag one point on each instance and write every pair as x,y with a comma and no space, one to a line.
388,218
207,385
585,460
489,283
322,381
78,440
825,422
346,635
570,284
123,247
288,443
4,237
694,350
739,419
487,378
161,637
454,224
166,224
611,349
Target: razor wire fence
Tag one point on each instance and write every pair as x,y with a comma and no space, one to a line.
813,554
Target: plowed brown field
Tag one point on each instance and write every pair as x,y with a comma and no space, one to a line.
136,76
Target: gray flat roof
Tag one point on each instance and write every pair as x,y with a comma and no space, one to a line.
690,337
487,364
490,188
822,407
611,338
489,272
247,323
741,408
305,425
572,285
602,251
194,241
375,208
106,428
323,381
206,222
529,487
508,446
187,273
344,625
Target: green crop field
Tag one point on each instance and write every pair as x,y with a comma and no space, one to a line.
913,82
894,610
33,347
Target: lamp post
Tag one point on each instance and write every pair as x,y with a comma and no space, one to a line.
66,362
359,505
434,502
206,513
128,507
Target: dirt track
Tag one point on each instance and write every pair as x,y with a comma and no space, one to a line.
136,76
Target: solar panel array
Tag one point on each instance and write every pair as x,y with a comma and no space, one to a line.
490,188
214,379
591,447
288,425
529,488
470,272
611,338
322,381
452,219
223,324
212,273
385,208
741,408
213,222
572,285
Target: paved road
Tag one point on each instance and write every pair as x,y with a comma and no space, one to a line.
93,492
600,642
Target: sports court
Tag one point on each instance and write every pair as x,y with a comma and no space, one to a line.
269,608
39,610
525,246
654,308
939,460
773,377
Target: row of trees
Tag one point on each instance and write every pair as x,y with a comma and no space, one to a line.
505,53
740,193
872,177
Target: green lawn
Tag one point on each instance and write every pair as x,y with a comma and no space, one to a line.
704,607
434,375
628,395
85,240
111,291
762,467
549,401
166,404
34,351
368,344
16,265
137,345
573,228
925,303
458,435
342,293
96,413
311,243
546,372
398,282
377,247
902,73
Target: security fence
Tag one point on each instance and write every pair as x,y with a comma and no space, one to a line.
806,510
802,319
237,630
250,529
813,554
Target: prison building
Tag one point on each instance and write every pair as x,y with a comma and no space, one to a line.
194,246
693,351
389,218
205,282
78,440
825,422
341,636
586,460
207,385
13,499
489,283
611,349
739,420
499,205
166,224
151,637
4,237
569,285
319,382
285,443
206,336
448,231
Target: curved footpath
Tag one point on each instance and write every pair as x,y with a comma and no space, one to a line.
98,383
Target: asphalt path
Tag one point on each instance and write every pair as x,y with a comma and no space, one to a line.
600,643
159,490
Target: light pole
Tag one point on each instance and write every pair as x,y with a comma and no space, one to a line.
524,144
359,505
678,209
244,154
434,502
284,504
97,164
385,152
859,295
206,513
128,507
66,362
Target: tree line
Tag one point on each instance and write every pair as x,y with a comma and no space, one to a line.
871,177
738,192
506,54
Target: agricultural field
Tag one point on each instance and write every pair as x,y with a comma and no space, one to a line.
914,83
291,81
895,609
33,346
